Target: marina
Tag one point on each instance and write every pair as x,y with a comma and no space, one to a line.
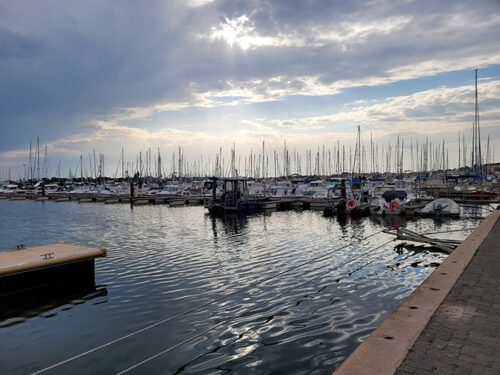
246,290
250,187
233,273
388,195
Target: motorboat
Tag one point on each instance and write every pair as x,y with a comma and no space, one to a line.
169,190
48,188
9,189
390,202
441,207
317,189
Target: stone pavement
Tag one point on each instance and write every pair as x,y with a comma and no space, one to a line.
463,336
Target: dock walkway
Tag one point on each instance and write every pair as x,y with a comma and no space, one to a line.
450,324
463,336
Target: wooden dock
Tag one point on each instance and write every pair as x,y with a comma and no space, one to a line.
266,203
24,269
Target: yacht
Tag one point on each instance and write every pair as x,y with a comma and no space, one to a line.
169,190
8,189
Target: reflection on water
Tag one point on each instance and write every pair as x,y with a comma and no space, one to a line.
16,309
230,224
294,292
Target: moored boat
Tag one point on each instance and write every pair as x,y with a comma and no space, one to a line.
391,202
234,197
441,207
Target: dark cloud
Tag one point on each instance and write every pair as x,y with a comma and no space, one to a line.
17,46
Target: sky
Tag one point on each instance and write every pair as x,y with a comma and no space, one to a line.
200,75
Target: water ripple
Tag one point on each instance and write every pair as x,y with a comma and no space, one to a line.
163,261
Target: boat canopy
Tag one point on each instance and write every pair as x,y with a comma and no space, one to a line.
393,194
474,176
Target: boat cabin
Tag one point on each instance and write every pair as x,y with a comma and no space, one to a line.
233,194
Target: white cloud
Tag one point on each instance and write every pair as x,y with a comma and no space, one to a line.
442,110
239,31
197,3
243,32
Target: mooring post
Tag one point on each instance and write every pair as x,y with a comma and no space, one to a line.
43,189
342,188
214,189
132,194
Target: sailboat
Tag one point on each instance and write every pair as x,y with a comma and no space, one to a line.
358,204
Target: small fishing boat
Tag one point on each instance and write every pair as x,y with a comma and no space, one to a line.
234,197
357,208
352,207
441,207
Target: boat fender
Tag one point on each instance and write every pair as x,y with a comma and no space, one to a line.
392,204
351,204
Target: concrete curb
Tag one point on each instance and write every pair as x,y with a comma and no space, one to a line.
386,348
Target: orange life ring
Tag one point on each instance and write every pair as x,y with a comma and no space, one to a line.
351,204
392,204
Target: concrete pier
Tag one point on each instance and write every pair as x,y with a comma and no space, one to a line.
463,336
450,324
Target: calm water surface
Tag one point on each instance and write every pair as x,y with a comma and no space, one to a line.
163,261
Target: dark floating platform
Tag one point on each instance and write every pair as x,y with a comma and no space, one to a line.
28,269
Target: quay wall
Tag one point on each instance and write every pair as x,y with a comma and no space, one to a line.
385,349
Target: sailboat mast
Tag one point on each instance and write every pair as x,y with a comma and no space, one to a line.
359,150
38,158
478,132
30,165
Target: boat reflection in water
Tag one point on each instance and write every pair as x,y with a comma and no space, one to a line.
230,224
16,309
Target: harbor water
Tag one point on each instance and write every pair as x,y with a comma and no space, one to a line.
287,292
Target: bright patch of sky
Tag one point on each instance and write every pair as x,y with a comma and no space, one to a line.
305,106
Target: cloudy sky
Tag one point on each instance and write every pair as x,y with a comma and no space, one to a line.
199,74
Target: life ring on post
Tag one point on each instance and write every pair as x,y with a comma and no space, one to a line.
351,204
392,204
